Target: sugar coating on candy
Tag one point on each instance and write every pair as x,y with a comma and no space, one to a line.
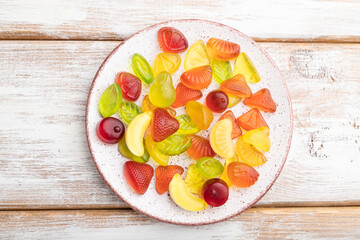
197,78
221,70
251,120
236,86
162,92
130,85
248,154
262,100
217,101
110,100
142,69
172,40
200,147
222,50
163,125
244,66
199,114
185,94
155,154
166,62
196,56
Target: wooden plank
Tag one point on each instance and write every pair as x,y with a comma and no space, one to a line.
305,20
44,157
256,223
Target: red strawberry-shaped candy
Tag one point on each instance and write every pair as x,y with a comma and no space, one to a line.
197,78
164,175
251,120
130,85
163,125
222,50
138,176
200,147
185,94
236,131
236,86
172,40
262,100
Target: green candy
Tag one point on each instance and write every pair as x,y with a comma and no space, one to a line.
162,93
187,126
142,69
124,150
110,100
129,111
209,167
174,145
221,70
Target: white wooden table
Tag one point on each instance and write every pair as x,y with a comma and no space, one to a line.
49,54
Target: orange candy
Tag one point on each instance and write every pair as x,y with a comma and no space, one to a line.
197,78
236,131
200,147
242,175
251,120
185,94
222,50
236,86
262,100
199,114
164,175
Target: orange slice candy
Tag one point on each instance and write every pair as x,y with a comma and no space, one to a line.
222,50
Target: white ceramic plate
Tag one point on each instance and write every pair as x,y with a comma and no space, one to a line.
110,163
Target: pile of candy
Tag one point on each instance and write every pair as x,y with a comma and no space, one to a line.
154,131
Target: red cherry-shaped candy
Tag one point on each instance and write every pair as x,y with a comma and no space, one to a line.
130,85
172,40
215,192
110,130
217,101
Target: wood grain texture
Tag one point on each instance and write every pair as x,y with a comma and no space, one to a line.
44,157
265,20
259,223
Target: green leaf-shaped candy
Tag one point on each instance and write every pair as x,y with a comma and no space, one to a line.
125,151
221,70
129,111
110,100
174,145
142,69
187,126
209,167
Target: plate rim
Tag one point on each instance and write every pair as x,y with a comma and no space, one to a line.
249,205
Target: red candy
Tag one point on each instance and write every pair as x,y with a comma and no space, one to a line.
172,40
262,100
200,147
110,130
242,175
251,120
236,86
130,85
164,175
236,131
197,78
185,94
138,176
163,125
217,101
215,192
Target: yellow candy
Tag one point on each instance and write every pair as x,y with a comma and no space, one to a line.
158,157
183,197
194,180
162,92
220,138
244,66
259,138
166,62
224,175
135,132
199,114
233,100
248,154
196,56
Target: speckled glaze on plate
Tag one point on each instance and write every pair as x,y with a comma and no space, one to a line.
109,161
